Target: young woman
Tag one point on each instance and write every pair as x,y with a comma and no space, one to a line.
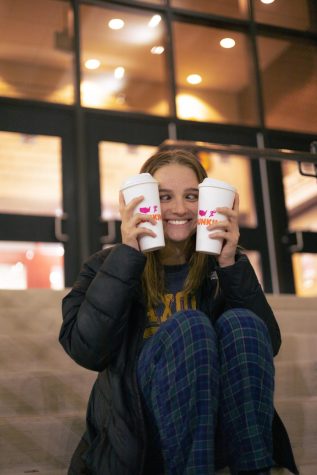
183,344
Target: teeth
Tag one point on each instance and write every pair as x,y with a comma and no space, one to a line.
183,221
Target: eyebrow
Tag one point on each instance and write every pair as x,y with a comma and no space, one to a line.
187,189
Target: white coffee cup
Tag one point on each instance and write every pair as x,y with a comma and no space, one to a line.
145,185
212,194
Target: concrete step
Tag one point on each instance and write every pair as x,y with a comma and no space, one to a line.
297,321
32,442
36,298
40,297
33,353
44,392
49,319
298,347
299,416
39,392
15,321
307,469
291,302
49,440
295,379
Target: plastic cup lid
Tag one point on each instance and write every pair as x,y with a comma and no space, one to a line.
217,184
139,179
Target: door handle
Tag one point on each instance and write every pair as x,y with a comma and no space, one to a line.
58,225
111,236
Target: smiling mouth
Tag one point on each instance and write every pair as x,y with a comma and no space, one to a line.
177,221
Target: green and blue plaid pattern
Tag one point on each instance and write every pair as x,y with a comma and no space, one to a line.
208,393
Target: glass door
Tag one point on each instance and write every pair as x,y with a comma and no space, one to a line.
117,146
37,210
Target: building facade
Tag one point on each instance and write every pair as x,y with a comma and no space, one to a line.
89,89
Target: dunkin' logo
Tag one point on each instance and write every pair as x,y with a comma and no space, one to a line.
205,217
153,214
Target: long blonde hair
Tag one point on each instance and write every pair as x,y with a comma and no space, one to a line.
153,275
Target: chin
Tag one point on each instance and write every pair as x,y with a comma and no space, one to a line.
179,238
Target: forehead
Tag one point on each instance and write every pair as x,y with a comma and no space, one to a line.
176,176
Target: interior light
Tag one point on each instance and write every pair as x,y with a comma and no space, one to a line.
116,24
157,50
194,79
267,2
227,42
119,72
92,63
155,20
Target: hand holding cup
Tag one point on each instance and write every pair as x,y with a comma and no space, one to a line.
140,210
214,196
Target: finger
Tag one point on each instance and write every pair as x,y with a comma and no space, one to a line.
219,224
140,231
228,237
218,235
229,213
133,203
144,218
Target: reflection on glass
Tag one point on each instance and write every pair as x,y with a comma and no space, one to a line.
117,162
286,13
305,274
30,174
36,55
231,8
133,47
289,79
226,91
301,198
26,265
235,170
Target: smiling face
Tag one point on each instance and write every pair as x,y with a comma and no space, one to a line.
178,188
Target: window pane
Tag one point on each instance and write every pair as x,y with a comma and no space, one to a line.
26,265
117,162
305,273
301,198
127,73
289,79
287,13
235,170
229,8
226,92
36,56
30,174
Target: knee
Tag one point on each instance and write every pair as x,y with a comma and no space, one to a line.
241,322
191,324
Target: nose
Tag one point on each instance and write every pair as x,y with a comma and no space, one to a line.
179,207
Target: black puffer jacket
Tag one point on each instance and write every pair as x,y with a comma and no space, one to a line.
103,322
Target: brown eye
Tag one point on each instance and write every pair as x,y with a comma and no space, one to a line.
164,197
192,197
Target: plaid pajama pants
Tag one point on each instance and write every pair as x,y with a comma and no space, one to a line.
208,394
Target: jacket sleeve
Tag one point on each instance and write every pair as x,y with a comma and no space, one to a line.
97,309
241,288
